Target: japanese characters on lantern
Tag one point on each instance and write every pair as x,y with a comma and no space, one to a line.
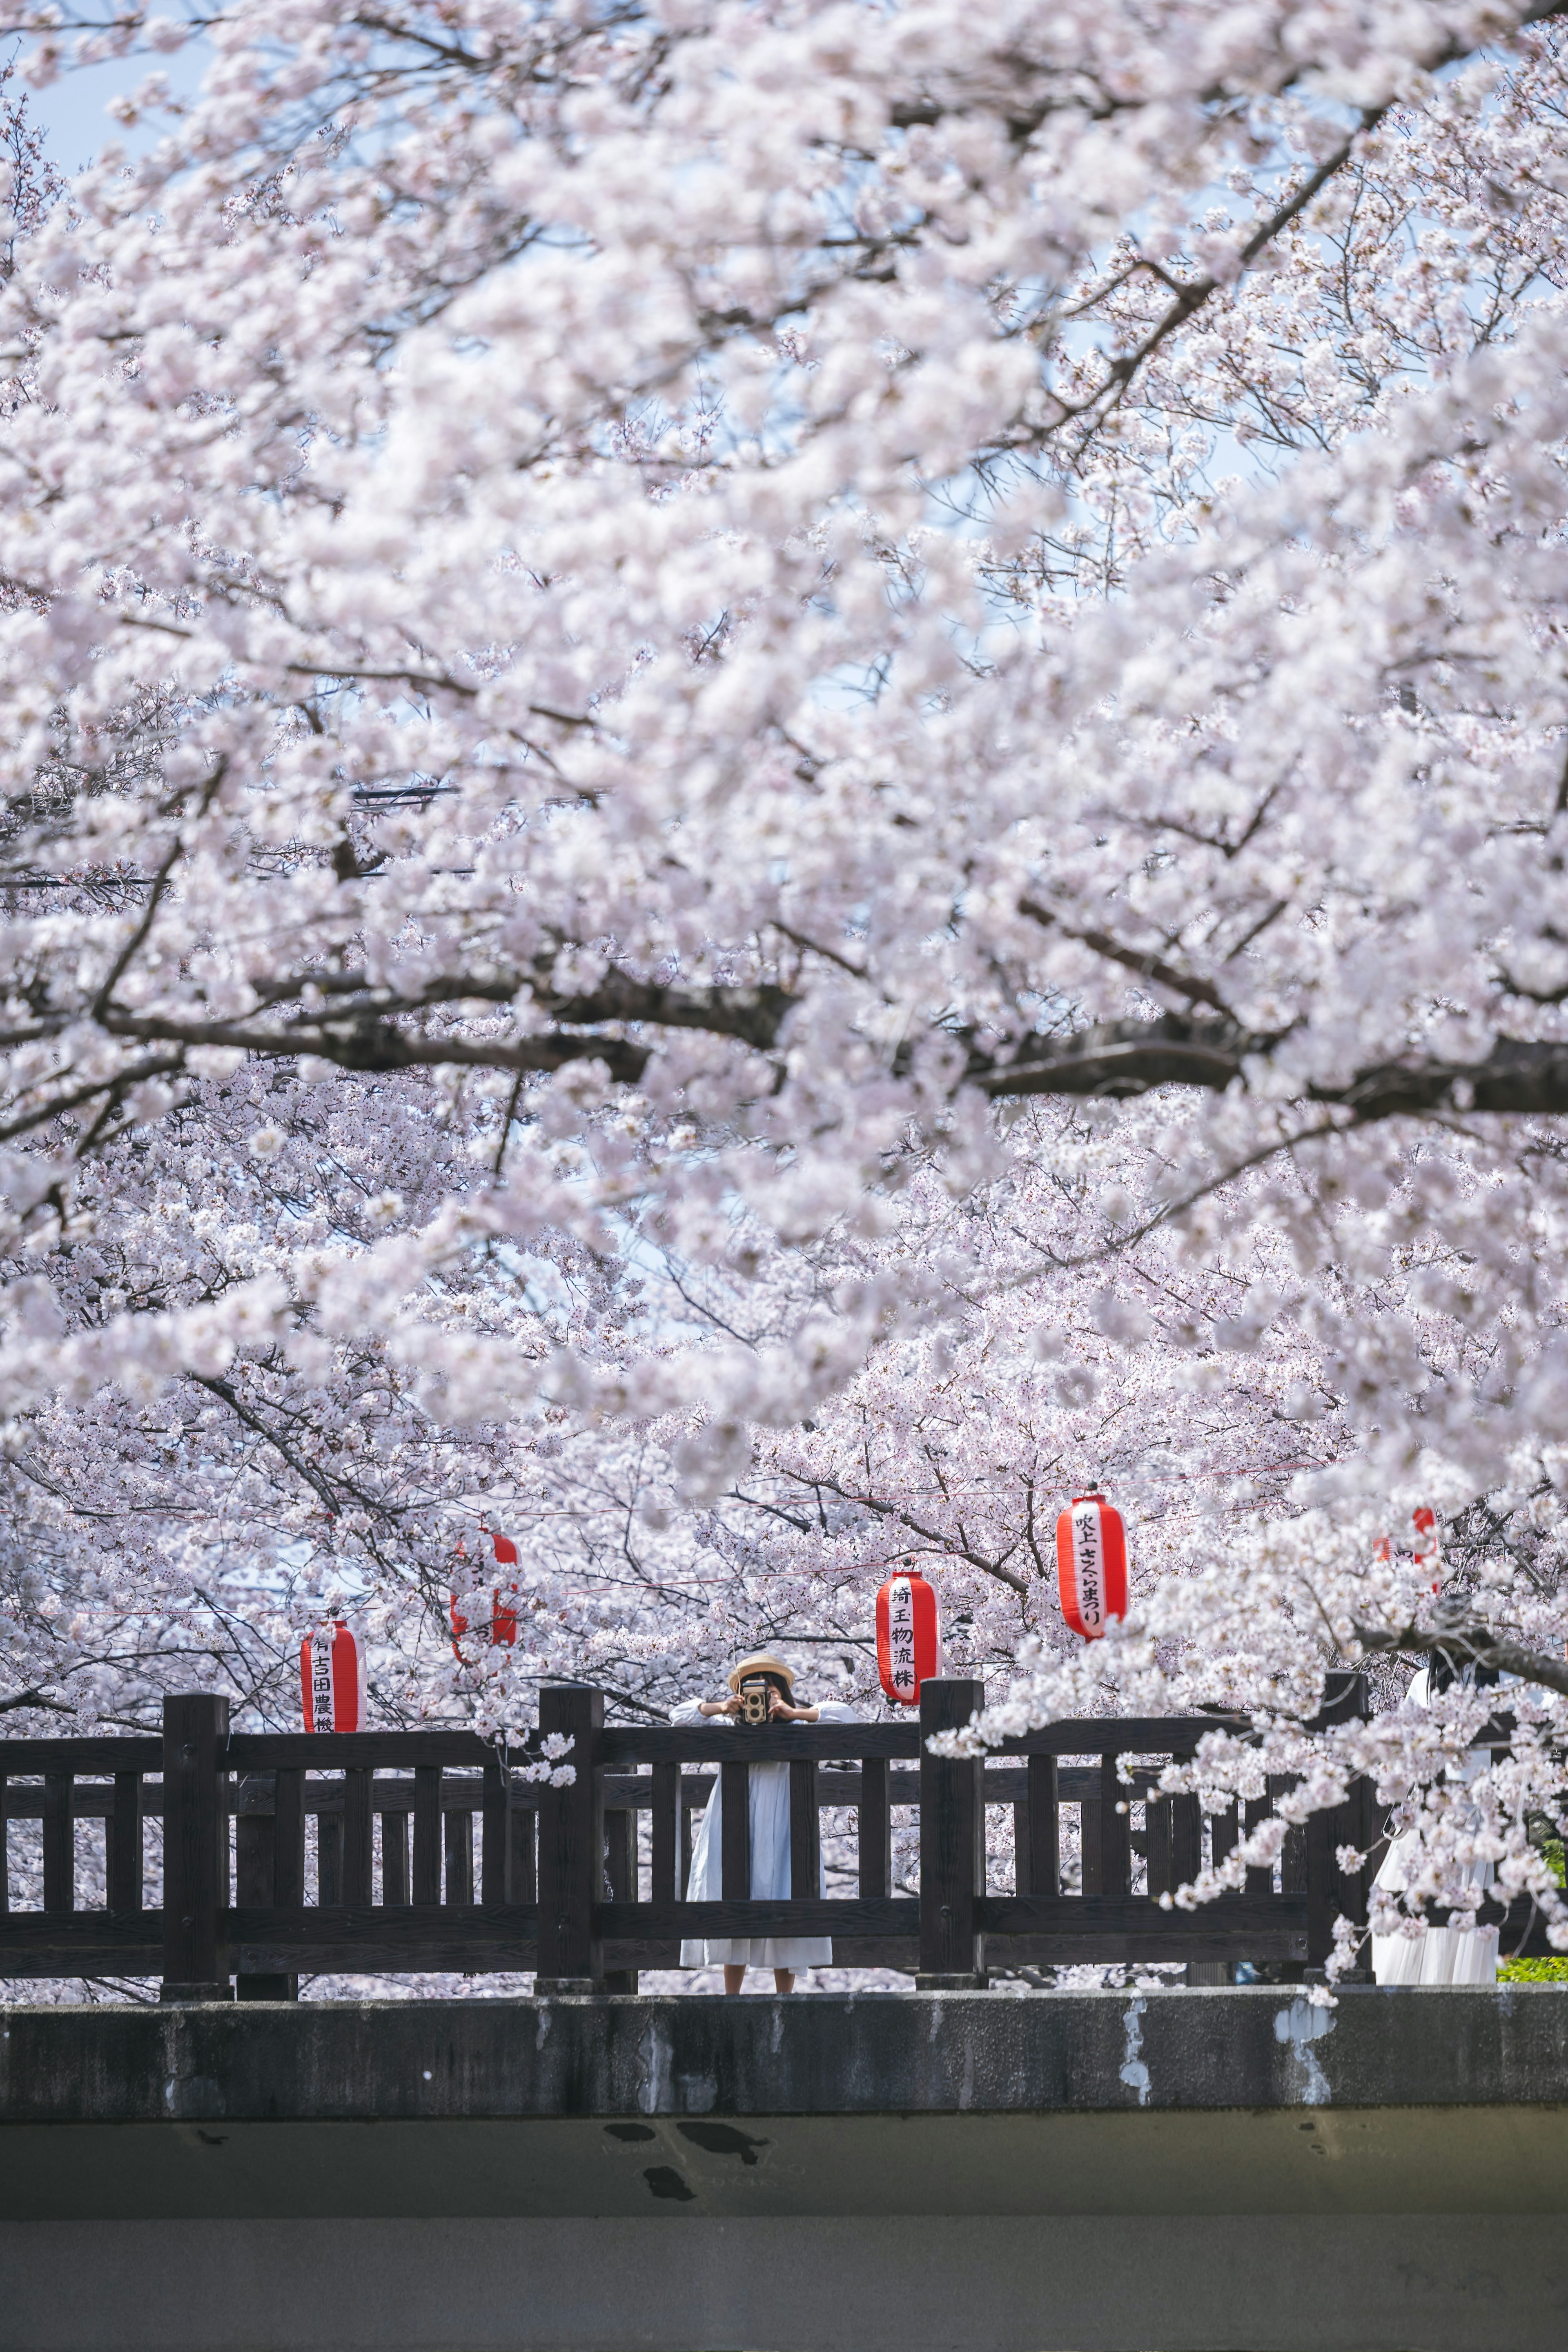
331,1680
909,1642
1091,1565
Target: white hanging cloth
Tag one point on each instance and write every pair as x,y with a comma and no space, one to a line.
1442,1955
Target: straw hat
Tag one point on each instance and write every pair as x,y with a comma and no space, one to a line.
761,1665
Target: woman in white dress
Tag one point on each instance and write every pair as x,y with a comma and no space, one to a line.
1442,1955
770,1836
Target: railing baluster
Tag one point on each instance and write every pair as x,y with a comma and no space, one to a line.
1294,1852
256,1876
125,1867
1186,1840
666,1838
1157,1844
59,1844
524,1829
735,1825
427,1834
1088,1842
395,1859
1115,1831
804,1829
572,1845
620,1852
953,1842
495,1834
1044,1839
1023,1874
458,1839
1320,1875
288,1838
1225,1837
357,1833
620,1881
1256,1810
255,1839
330,1856
1354,1823
875,1831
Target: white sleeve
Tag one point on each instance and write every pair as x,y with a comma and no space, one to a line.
834,1710
685,1710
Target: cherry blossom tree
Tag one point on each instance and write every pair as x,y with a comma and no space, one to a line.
735,717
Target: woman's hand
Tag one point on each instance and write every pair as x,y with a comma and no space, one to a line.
720,1707
781,1711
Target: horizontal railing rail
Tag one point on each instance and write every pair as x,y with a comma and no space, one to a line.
289,1854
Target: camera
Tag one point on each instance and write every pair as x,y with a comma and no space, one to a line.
754,1702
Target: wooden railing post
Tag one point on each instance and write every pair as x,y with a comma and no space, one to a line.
572,1845
953,1844
195,1849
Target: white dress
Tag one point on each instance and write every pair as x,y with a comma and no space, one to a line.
1443,1956
770,1860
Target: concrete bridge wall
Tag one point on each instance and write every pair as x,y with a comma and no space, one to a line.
1177,2172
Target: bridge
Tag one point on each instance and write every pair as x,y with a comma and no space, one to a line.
1180,2171
227,2167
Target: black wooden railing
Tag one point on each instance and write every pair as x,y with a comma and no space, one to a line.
560,1869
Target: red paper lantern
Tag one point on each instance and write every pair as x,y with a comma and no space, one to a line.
331,1680
503,1613
909,1641
1427,1553
1091,1565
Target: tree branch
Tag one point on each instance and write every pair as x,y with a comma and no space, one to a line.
1473,1644
1518,1076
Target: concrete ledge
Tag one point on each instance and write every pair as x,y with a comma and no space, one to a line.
911,2053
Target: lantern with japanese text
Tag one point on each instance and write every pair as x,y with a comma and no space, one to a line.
909,1641
503,1630
331,1680
1091,1565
